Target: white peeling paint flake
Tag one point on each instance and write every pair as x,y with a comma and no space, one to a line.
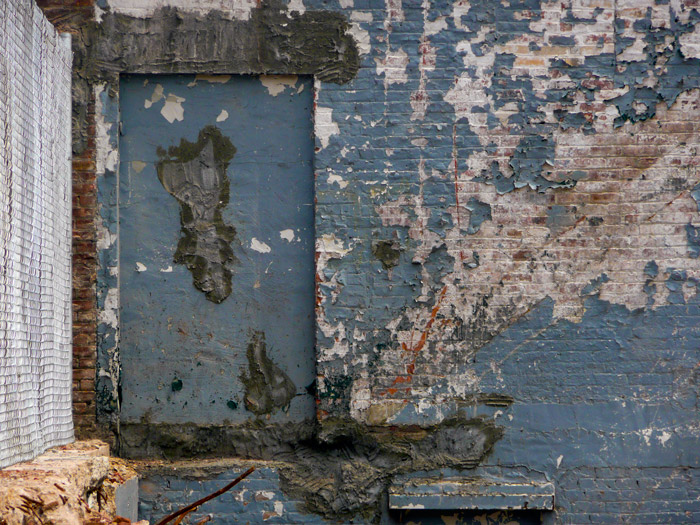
393,67
296,6
169,269
361,36
287,235
155,96
140,267
276,84
324,126
337,179
172,109
259,246
222,116
331,245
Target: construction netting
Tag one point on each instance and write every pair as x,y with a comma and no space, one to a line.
35,234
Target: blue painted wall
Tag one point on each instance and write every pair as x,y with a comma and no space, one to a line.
182,355
505,231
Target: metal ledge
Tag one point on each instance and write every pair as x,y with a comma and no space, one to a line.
470,493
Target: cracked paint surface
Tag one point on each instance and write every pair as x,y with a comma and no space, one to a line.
506,226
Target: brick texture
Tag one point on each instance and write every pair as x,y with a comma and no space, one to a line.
69,16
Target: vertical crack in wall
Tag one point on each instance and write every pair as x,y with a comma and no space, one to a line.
195,174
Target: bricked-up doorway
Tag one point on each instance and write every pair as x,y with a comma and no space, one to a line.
216,248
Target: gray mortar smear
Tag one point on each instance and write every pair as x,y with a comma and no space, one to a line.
195,174
272,41
340,470
267,387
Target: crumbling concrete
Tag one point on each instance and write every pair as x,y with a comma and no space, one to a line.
66,485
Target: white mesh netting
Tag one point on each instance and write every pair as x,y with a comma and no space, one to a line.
35,234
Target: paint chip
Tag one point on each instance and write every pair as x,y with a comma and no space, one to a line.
324,126
287,235
259,246
222,116
138,165
296,6
337,179
172,109
169,269
276,84
140,267
155,96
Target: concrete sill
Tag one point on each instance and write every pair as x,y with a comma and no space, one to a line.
470,493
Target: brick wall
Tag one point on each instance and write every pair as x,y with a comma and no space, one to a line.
70,16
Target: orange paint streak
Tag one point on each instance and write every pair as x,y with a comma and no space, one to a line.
411,366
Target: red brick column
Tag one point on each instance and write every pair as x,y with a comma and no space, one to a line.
69,16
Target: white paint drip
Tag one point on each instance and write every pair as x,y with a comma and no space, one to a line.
222,116
259,246
172,109
276,84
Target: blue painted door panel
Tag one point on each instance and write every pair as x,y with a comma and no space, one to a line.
185,357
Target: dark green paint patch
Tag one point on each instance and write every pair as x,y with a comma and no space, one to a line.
195,174
232,404
176,385
388,252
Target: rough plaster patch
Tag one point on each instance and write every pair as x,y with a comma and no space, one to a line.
172,109
259,246
233,9
222,116
276,84
324,126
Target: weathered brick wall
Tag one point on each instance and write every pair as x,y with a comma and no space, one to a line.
70,16
507,233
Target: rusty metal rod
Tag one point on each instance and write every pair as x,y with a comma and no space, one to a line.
213,495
